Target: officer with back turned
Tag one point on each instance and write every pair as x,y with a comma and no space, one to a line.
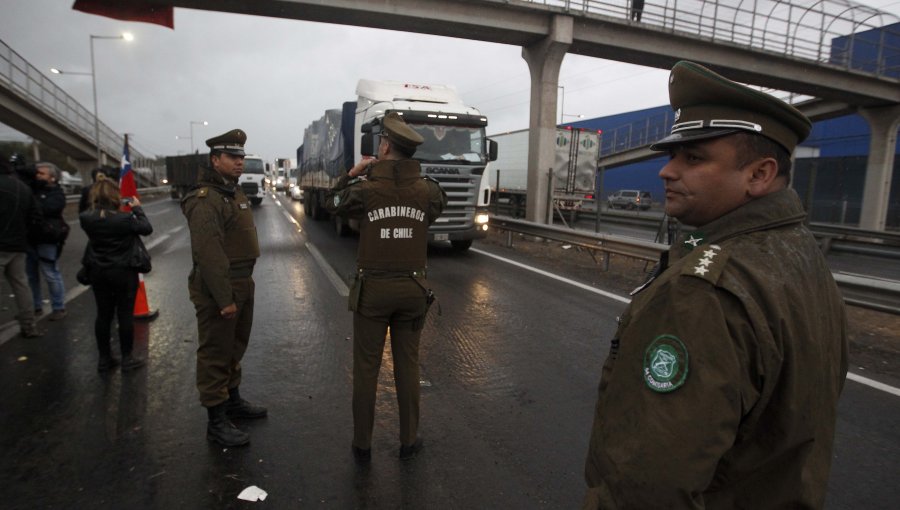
721,385
395,205
224,248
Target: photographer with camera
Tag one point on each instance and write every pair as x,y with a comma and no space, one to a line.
18,209
395,205
46,239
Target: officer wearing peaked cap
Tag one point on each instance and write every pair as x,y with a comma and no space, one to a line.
721,385
395,205
224,248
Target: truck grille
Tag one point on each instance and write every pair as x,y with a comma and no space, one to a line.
250,188
462,193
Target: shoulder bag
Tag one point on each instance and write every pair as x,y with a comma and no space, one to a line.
140,257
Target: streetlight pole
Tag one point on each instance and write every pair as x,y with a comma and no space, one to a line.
198,122
126,36
562,103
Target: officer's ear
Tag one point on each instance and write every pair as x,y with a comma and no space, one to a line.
762,177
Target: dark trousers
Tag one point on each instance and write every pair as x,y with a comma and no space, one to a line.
222,342
114,291
398,305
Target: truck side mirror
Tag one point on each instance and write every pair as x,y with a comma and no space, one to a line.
492,150
368,147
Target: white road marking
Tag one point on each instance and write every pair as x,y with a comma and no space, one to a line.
152,244
580,285
326,268
851,376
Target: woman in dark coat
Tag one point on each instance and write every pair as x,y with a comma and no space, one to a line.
112,234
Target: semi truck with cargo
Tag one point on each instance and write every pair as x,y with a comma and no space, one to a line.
182,173
455,152
577,152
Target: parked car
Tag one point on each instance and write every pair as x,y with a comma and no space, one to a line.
296,192
630,199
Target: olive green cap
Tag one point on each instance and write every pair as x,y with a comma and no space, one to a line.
398,132
708,105
231,142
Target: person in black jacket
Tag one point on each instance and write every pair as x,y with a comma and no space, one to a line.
84,203
18,209
43,252
111,237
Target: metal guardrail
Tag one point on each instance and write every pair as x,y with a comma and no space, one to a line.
606,243
873,293
141,191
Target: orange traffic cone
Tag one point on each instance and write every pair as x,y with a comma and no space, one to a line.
141,307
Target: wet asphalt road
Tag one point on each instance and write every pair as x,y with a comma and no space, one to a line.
509,382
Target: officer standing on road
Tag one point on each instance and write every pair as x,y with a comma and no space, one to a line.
721,385
224,248
395,206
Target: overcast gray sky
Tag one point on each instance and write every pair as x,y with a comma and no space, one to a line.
272,77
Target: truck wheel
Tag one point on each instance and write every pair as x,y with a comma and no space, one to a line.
307,210
318,213
461,245
255,201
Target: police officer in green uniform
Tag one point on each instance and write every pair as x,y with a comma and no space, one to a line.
224,248
395,205
721,385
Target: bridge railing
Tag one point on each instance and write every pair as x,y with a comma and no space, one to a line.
835,32
30,84
637,134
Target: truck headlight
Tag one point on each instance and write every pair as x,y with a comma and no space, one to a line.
482,218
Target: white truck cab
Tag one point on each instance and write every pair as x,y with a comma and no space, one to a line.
252,181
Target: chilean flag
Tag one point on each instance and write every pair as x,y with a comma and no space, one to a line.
127,187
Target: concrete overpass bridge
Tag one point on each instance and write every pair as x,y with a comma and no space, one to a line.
839,52
31,103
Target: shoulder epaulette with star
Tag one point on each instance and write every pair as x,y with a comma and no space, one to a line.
199,192
706,262
432,179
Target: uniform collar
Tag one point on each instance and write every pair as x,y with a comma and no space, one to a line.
395,169
776,209
209,177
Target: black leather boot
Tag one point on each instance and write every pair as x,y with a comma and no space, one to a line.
221,430
238,408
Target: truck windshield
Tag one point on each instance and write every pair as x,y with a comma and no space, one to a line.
253,166
459,144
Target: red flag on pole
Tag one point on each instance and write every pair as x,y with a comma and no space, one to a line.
146,12
127,186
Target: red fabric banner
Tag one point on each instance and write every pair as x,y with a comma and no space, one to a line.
146,12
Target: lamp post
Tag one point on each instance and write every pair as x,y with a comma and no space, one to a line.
127,37
562,106
562,103
198,122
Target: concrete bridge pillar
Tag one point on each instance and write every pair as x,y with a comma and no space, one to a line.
544,60
883,123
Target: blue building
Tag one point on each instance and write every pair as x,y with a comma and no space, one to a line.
831,184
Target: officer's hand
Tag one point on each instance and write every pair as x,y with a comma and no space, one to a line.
361,167
229,311
135,202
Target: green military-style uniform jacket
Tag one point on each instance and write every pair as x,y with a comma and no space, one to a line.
721,385
224,242
395,206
